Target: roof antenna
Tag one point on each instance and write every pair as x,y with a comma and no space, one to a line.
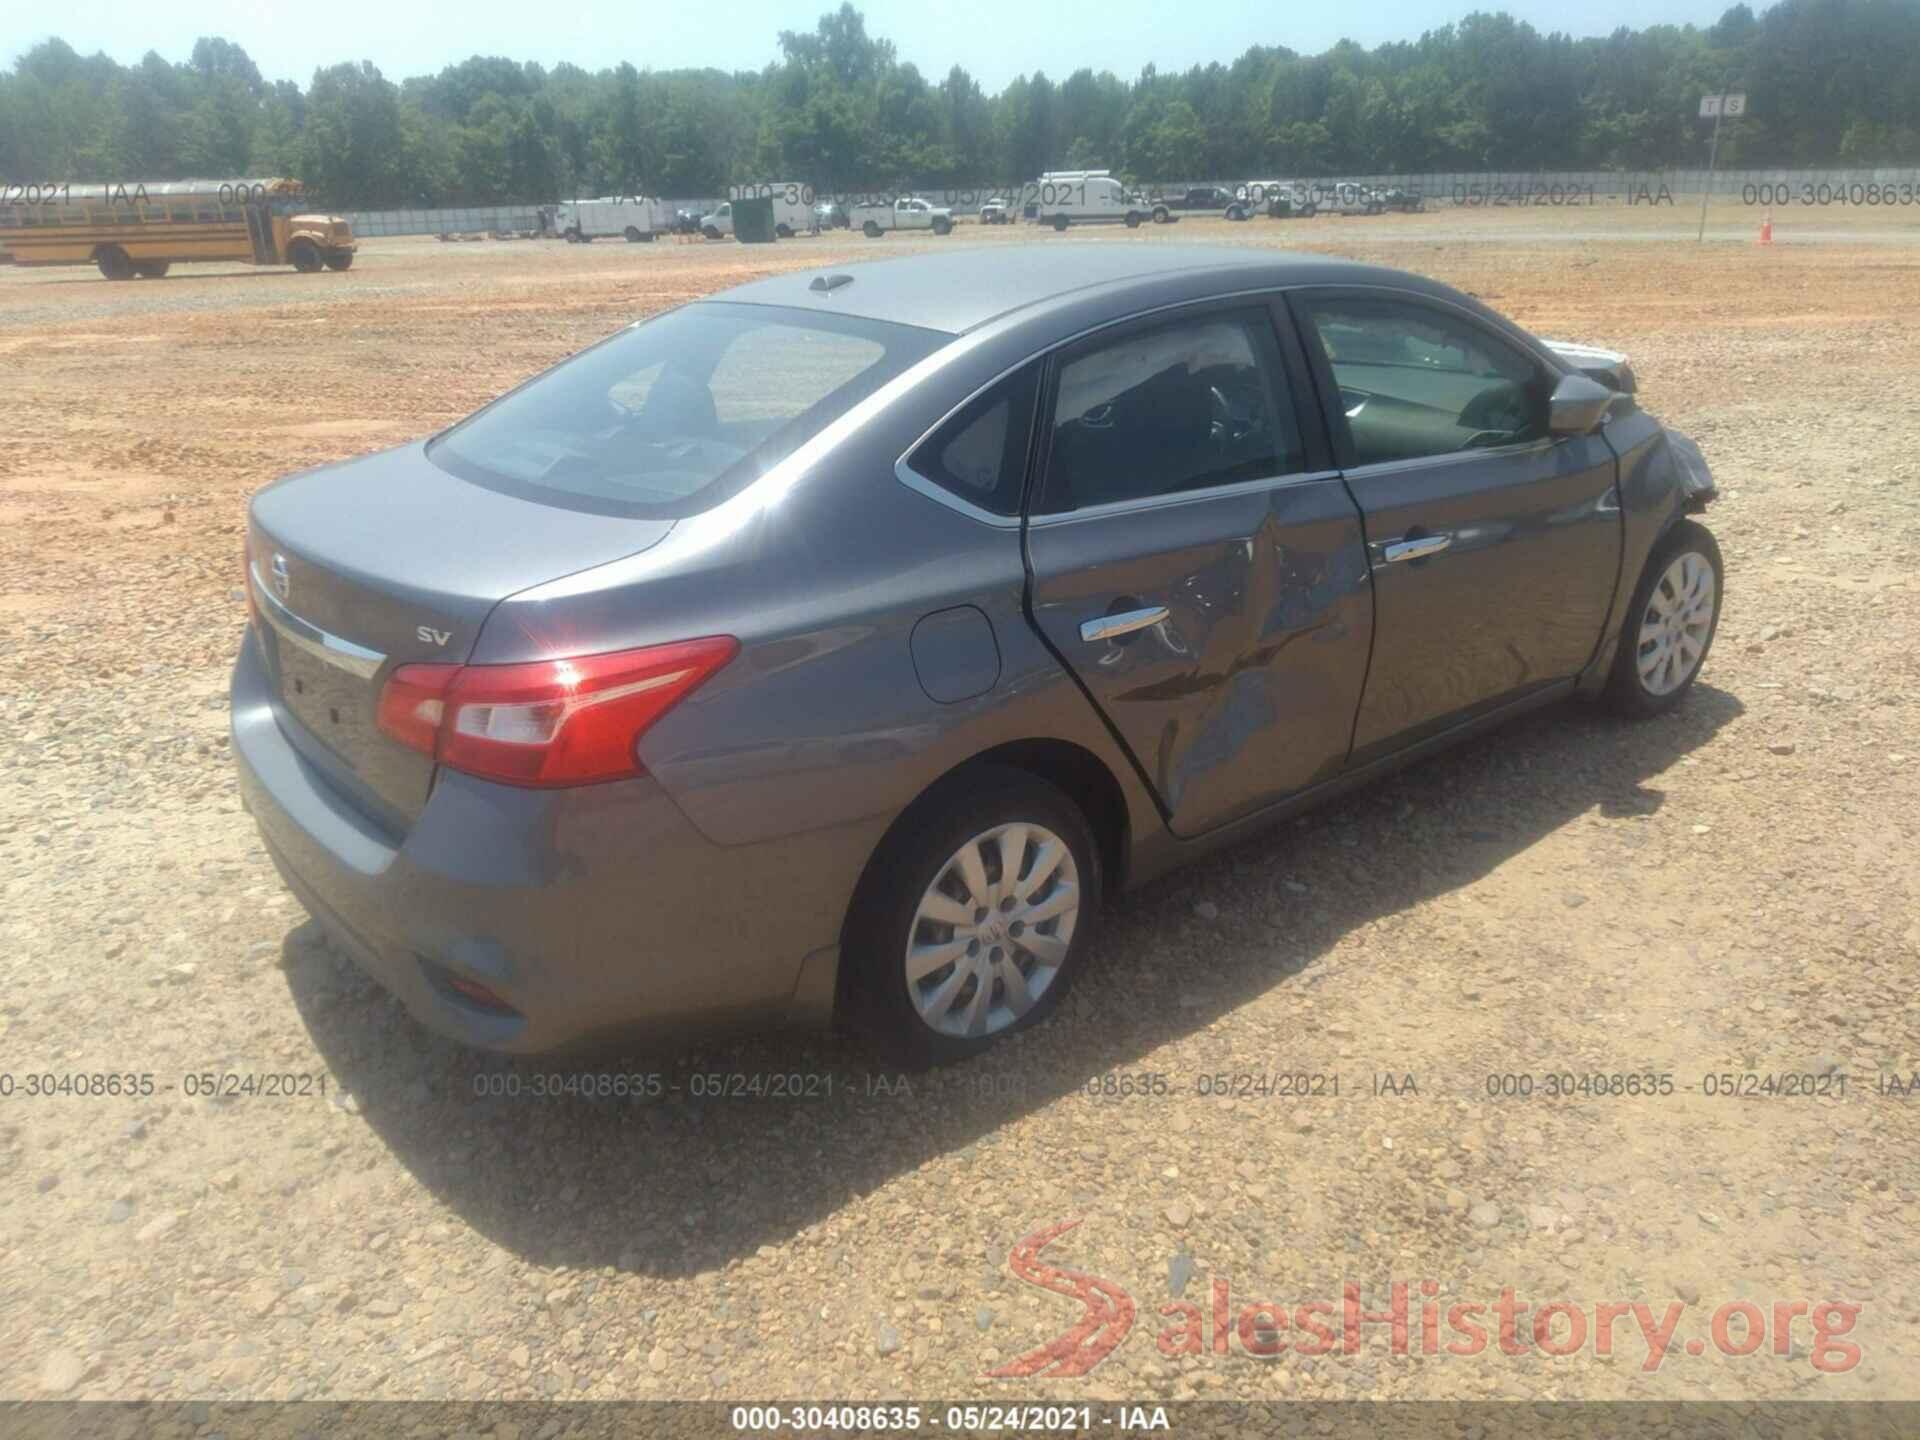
825,283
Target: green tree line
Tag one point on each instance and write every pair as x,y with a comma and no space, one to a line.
1830,81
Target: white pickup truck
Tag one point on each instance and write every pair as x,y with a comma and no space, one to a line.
906,213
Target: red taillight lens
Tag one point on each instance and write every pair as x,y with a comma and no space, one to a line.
552,722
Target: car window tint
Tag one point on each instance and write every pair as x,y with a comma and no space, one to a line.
669,417
1416,381
774,372
980,454
1179,407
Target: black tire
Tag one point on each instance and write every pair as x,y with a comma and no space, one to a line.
151,269
1309,210
1161,215
870,229
1133,219
1059,222
113,263
1626,692
305,256
943,227
573,237
340,260
783,232
633,234
913,857
1236,212
710,232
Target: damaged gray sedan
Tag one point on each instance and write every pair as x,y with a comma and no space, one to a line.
832,648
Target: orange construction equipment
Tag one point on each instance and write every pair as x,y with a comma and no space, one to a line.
1766,229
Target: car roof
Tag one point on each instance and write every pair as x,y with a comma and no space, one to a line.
956,289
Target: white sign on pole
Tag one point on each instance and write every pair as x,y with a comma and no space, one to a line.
1709,107
1733,106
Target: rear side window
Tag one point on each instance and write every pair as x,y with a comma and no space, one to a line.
1183,406
1417,381
980,455
671,416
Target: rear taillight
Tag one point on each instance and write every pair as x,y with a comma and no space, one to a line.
551,722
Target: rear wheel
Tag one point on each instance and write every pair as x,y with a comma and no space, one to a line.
871,230
305,256
151,269
340,260
710,232
1236,212
973,921
1161,215
633,234
943,227
1059,222
113,262
783,232
1670,625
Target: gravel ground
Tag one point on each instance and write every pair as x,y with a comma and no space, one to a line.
1730,889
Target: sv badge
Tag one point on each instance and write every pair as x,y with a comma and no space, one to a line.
430,636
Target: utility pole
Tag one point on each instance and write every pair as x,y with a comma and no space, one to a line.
1734,104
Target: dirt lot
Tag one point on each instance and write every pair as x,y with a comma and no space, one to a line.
1732,889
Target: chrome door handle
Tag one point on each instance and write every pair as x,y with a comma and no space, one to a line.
1417,549
1111,627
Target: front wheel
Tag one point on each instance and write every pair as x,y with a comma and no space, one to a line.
633,234
113,263
783,232
710,232
1670,625
1161,215
340,260
1236,212
943,227
1059,222
871,230
974,919
1133,219
305,256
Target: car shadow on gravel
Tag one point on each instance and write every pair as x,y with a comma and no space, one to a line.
696,1177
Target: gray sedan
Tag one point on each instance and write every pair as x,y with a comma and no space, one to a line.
833,647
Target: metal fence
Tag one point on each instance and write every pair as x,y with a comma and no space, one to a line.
1471,187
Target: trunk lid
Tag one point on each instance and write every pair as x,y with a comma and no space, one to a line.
384,561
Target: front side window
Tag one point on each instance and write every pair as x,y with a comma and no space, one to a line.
1416,381
980,455
1183,406
669,417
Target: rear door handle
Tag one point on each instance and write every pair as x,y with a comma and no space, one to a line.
1111,627
1415,549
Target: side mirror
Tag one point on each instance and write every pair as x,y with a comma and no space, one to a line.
1578,405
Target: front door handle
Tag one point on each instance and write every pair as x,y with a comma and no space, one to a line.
1417,548
1111,627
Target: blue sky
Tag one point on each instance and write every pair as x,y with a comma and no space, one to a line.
995,39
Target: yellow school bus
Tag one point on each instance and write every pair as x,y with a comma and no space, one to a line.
141,228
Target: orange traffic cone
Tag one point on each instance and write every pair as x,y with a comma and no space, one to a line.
1766,229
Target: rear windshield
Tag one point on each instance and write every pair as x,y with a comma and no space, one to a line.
673,415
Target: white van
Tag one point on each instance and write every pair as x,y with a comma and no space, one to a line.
792,209
634,217
1082,197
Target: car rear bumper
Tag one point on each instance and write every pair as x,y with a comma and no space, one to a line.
599,915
